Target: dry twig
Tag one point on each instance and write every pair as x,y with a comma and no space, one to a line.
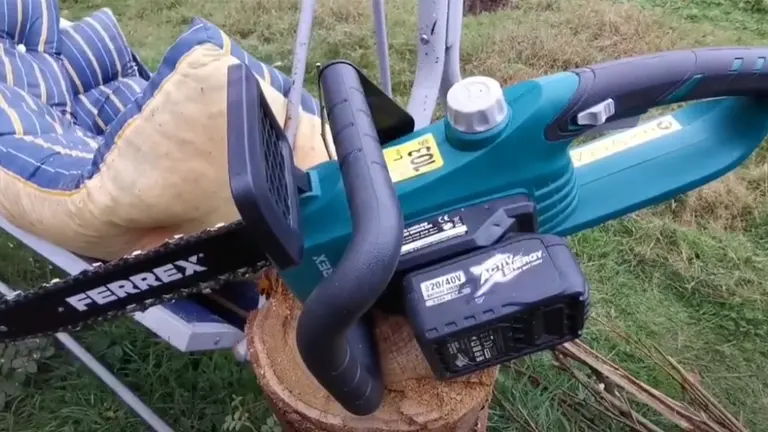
614,389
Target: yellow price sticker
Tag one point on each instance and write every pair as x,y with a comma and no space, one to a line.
413,158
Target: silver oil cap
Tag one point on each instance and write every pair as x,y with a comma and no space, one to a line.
476,104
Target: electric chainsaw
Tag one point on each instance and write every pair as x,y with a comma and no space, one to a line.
458,226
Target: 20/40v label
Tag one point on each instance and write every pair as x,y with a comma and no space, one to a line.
444,288
413,158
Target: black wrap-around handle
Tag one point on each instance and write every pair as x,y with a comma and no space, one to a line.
334,341
637,84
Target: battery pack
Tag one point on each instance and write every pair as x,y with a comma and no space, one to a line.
521,296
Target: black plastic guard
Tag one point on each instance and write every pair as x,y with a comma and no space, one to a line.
261,170
390,120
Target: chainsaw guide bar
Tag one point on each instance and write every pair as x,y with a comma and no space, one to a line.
199,263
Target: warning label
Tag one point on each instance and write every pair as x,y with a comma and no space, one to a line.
619,142
430,232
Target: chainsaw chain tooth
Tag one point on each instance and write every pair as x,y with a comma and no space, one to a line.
99,267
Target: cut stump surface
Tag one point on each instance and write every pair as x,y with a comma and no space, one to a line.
413,400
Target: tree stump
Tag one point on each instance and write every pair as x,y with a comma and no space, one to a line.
413,400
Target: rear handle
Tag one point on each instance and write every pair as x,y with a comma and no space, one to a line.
630,87
337,347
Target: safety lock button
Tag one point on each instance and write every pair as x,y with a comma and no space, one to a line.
597,114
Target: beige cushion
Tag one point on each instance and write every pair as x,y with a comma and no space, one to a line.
166,174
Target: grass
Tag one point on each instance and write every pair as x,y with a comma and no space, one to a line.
688,276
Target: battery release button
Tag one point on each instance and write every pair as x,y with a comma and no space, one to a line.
476,104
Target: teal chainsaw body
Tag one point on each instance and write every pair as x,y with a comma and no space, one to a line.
513,288
706,140
458,226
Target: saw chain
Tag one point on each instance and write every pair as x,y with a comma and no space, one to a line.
199,263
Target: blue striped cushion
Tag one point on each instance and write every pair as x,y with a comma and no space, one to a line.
56,153
200,32
38,71
41,146
98,108
21,114
96,52
103,71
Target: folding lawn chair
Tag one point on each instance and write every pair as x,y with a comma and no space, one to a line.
197,324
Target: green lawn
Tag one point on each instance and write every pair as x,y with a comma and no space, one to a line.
689,276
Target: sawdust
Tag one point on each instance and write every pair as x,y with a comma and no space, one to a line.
413,399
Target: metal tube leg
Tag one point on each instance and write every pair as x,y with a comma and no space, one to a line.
382,45
300,53
113,383
110,380
452,67
433,17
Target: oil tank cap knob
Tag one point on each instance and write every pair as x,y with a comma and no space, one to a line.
476,104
